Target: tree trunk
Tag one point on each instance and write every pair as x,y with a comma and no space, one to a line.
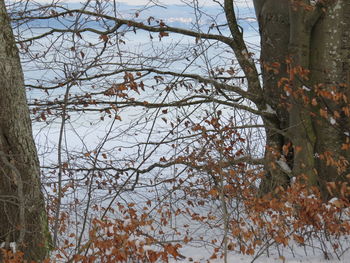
330,65
22,209
305,61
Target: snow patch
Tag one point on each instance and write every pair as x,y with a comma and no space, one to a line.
332,120
306,88
285,167
313,2
269,109
293,180
334,199
12,245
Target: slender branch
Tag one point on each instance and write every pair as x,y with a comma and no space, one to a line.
241,51
189,101
129,23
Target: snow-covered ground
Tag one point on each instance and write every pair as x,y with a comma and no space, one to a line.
298,255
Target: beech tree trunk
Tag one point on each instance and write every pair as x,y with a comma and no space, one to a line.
309,46
22,209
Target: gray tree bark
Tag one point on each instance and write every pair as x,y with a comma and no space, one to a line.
22,209
315,122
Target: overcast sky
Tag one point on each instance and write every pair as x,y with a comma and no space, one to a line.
169,2
162,2
165,2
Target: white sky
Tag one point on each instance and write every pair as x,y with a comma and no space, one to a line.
161,2
170,2
142,2
138,2
166,2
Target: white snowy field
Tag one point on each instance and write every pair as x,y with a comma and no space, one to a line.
297,255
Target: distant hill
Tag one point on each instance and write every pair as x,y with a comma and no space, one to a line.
173,15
